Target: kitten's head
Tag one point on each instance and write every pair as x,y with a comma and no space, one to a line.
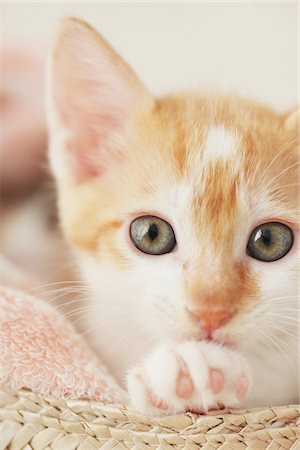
182,210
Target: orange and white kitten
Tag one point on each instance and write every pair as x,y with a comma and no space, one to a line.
182,212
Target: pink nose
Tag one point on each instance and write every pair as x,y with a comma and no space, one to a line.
212,320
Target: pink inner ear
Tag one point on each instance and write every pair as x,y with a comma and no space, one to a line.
95,95
89,132
81,165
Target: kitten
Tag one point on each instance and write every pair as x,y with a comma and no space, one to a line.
182,212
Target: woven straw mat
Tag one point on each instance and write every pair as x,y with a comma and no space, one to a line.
30,422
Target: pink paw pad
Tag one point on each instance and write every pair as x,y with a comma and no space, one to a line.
216,379
185,386
242,386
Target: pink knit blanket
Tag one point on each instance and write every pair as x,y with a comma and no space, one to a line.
41,351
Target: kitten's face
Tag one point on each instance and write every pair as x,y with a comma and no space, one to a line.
212,168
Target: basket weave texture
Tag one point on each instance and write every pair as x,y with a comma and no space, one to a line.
30,422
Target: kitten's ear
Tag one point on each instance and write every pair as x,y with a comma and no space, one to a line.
292,120
93,96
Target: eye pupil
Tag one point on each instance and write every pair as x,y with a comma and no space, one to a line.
153,231
267,238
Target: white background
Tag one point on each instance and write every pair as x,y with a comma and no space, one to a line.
249,48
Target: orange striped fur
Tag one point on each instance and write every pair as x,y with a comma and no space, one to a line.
213,166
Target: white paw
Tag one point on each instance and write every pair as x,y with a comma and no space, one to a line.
190,376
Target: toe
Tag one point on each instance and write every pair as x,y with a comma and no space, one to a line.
242,386
185,386
216,378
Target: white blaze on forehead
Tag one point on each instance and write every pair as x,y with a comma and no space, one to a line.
220,144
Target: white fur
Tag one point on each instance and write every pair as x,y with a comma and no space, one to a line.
158,375
140,307
143,305
221,144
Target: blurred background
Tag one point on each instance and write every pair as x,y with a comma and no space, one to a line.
246,48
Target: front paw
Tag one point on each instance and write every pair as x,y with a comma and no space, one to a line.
191,376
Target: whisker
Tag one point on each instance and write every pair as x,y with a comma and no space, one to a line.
283,316
125,319
265,342
92,308
287,346
279,153
42,286
277,346
122,339
283,329
289,185
282,173
99,327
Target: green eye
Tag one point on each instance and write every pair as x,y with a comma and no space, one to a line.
270,241
152,235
